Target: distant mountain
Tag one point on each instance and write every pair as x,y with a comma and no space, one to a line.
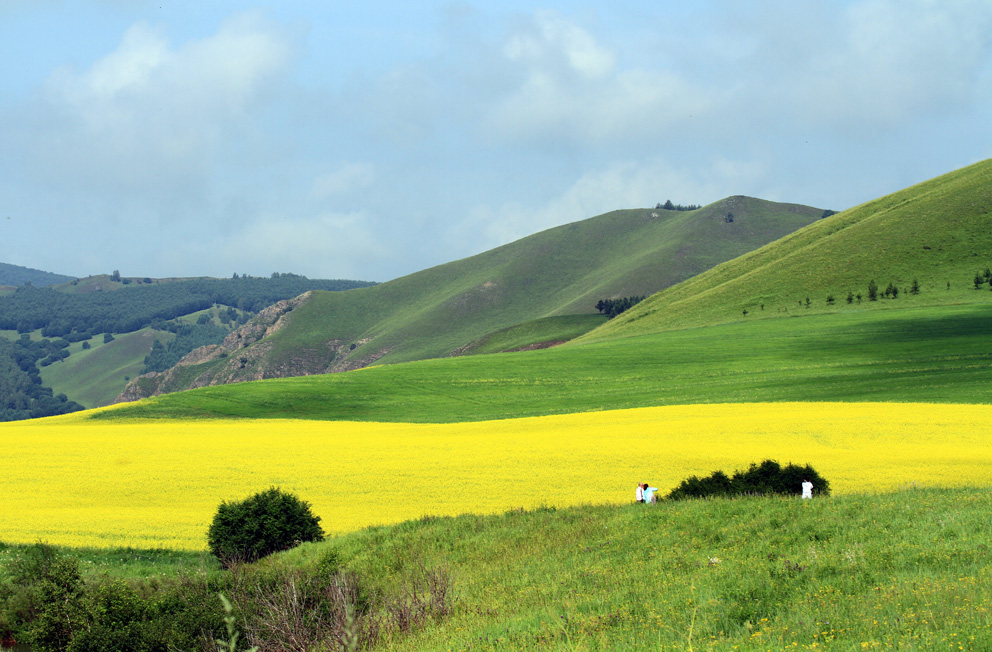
934,237
15,275
78,343
444,310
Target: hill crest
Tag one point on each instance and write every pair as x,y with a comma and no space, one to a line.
561,271
933,235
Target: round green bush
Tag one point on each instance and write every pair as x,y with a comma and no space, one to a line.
267,522
765,479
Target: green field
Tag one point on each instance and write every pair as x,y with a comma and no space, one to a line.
927,354
900,571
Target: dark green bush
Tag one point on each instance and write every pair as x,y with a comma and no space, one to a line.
258,526
766,478
46,604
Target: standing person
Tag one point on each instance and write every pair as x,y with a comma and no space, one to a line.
807,488
639,493
649,496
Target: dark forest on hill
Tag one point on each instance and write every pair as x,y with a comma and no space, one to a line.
63,318
80,316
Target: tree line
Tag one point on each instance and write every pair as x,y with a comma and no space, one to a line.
77,317
189,337
613,307
22,395
669,206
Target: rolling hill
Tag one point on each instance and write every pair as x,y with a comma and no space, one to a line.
929,346
935,233
447,309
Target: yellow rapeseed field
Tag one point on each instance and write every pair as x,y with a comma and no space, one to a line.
70,481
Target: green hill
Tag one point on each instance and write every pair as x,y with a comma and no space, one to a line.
930,346
935,233
94,376
927,354
440,311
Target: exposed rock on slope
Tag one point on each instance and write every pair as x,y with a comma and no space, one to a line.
233,360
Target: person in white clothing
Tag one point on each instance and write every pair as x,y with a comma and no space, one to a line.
807,489
639,493
649,496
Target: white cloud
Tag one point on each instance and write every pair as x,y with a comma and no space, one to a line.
149,119
572,90
175,140
551,39
874,64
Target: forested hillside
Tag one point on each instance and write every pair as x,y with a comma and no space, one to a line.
22,395
77,316
40,327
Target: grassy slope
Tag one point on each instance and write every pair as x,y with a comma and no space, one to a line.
936,232
560,271
539,333
928,354
94,377
907,570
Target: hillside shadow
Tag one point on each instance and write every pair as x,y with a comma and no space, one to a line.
917,329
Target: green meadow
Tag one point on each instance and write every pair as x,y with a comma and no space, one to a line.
455,307
925,354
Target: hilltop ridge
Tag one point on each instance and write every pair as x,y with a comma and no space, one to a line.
443,310
934,233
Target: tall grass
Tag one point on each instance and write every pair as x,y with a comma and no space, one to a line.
906,570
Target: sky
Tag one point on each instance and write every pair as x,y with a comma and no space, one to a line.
372,140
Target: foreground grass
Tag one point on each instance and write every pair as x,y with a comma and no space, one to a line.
926,354
129,563
906,570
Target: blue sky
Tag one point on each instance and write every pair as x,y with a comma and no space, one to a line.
372,140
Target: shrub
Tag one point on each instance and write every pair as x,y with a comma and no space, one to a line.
766,478
258,526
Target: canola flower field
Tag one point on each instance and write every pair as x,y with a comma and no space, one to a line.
156,484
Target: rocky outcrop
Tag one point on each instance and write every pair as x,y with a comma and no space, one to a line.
242,356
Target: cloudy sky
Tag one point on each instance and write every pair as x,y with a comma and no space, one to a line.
373,139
